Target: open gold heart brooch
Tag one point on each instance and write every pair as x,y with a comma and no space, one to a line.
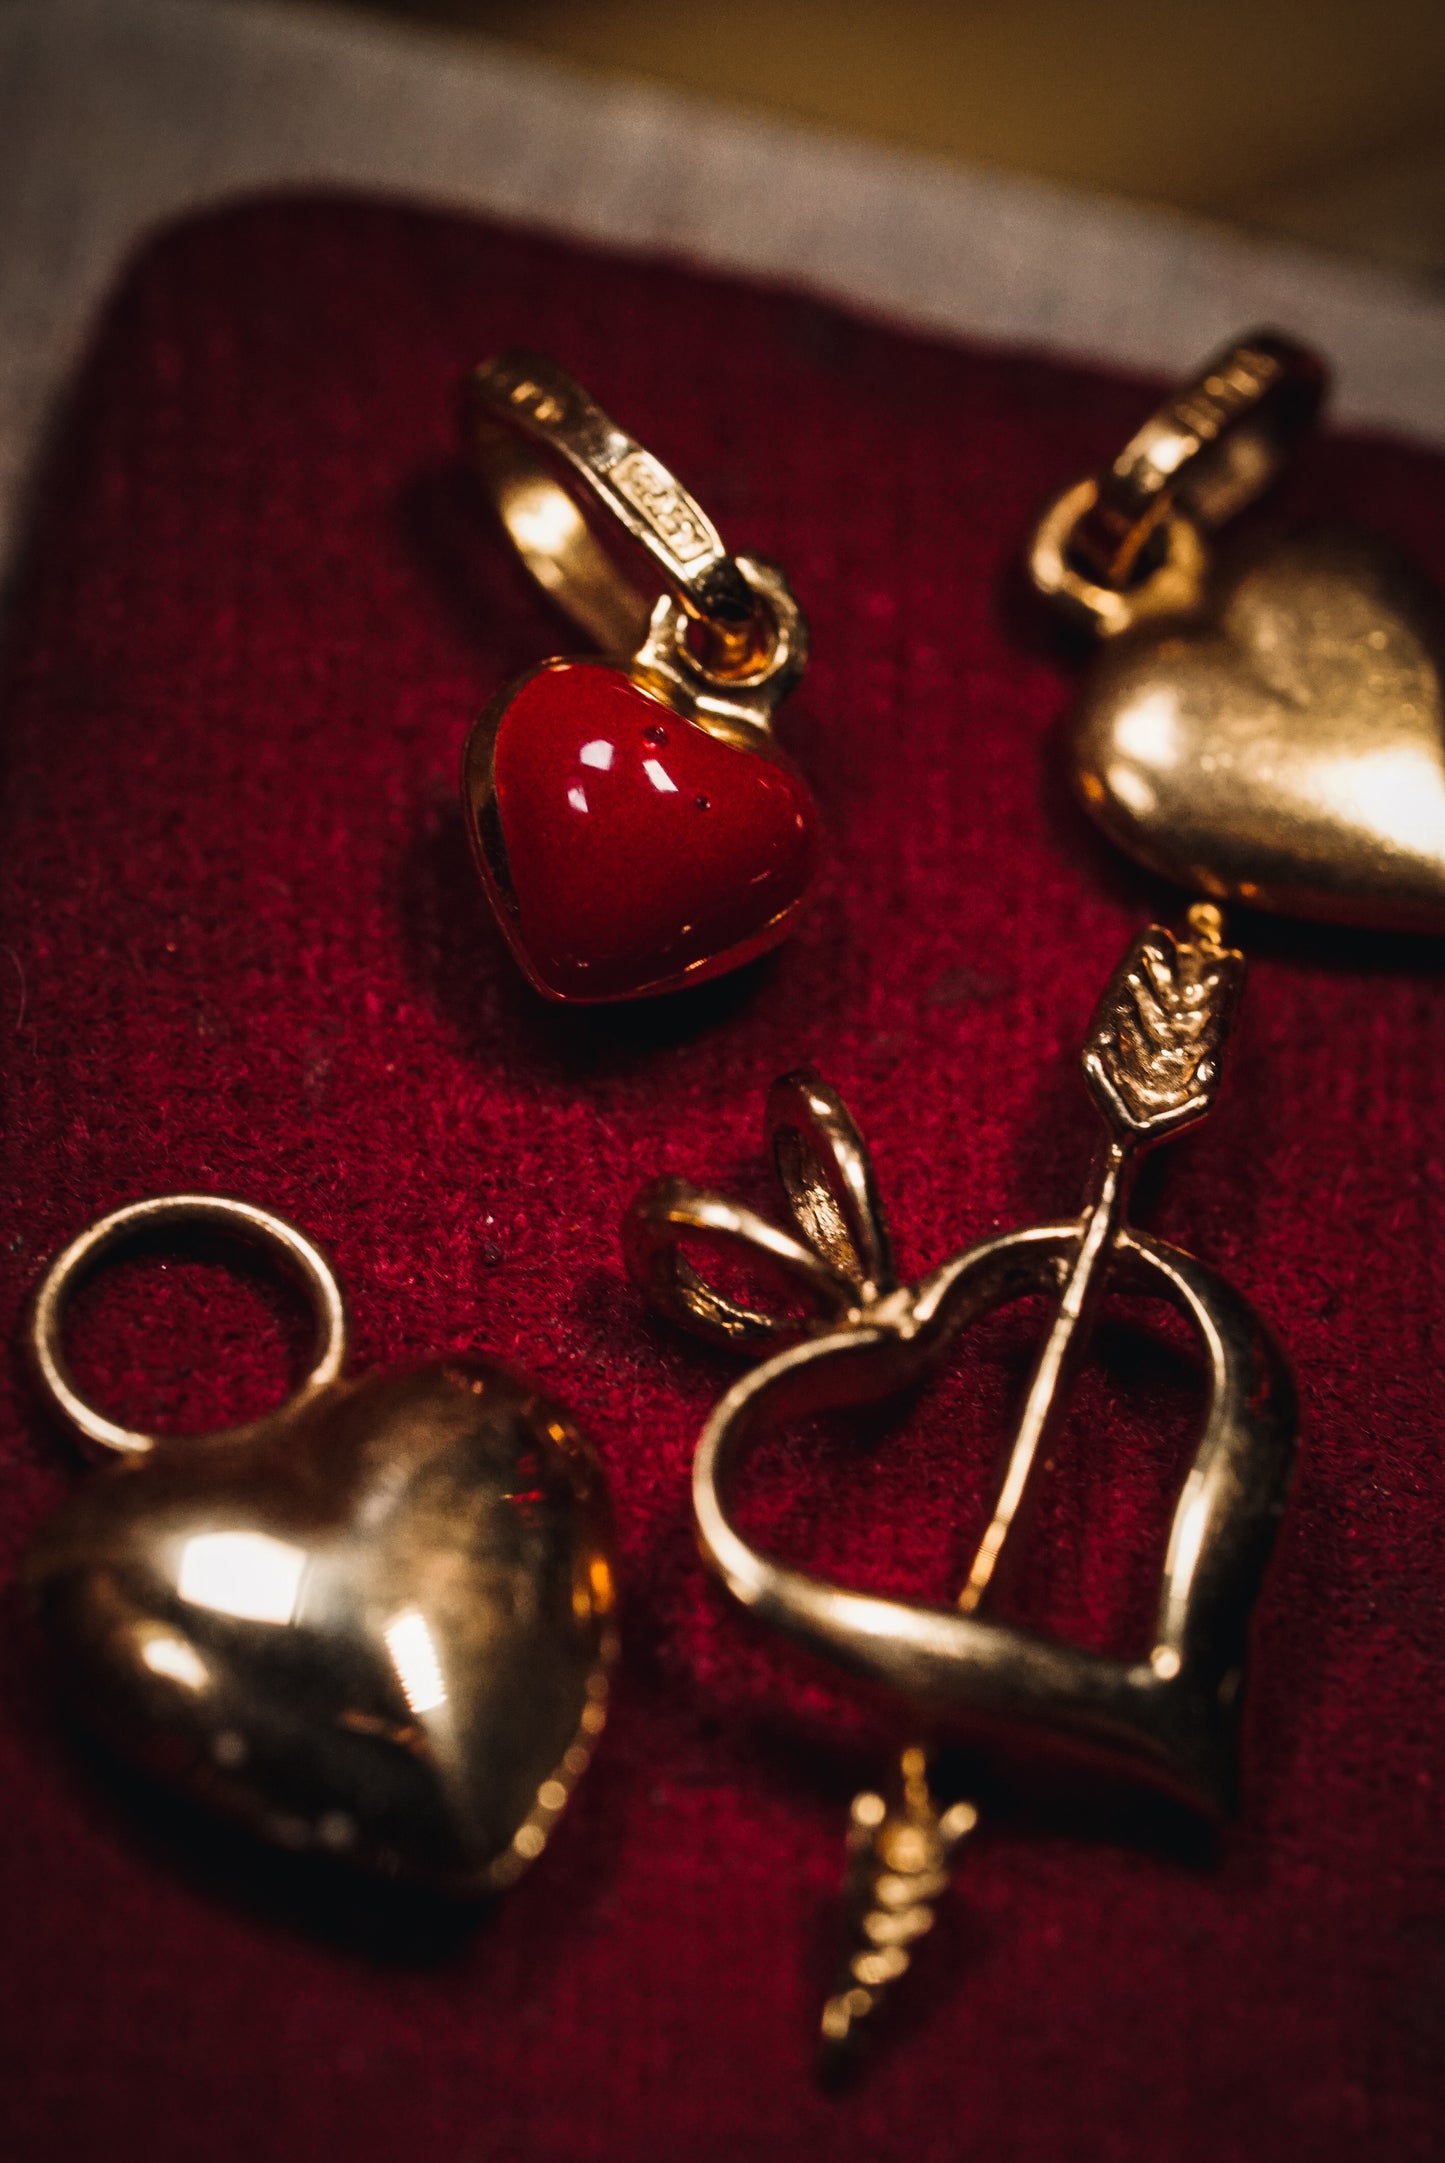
376,1624
1268,728
1151,1063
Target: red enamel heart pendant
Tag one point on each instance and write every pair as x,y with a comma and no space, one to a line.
625,849
635,826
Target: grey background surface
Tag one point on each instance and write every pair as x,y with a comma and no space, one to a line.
117,113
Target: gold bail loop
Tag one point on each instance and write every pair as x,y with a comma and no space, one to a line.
1210,449
825,1170
294,1254
550,457
833,1262
671,1216
1132,542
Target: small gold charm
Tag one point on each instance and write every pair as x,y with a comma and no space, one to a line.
633,819
900,1859
1169,1717
376,1624
1271,730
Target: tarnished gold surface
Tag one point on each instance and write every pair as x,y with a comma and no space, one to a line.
376,1624
1270,730
851,1335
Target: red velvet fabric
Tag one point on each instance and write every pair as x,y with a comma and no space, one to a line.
244,950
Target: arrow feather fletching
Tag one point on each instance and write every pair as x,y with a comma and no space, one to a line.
1152,1055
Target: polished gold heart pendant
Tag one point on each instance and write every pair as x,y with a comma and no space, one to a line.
1270,730
376,1624
1170,1714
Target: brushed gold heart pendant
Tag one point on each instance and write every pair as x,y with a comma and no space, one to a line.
377,1624
1271,730
1170,1715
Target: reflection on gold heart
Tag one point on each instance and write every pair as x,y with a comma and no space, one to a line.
378,1625
1290,750
1170,1718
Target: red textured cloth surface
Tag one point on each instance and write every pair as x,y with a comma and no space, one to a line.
244,950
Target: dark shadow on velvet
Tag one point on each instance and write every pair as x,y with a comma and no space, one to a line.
1019,1794
384,1923
1027,624
1025,1799
459,959
493,606
393,1925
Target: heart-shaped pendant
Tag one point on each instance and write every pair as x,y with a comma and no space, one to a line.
1271,731
1169,1716
376,1624
635,825
629,848
1287,745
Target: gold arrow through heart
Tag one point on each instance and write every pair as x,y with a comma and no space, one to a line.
846,1332
1152,1065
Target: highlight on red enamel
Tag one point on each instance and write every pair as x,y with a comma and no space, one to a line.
640,851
